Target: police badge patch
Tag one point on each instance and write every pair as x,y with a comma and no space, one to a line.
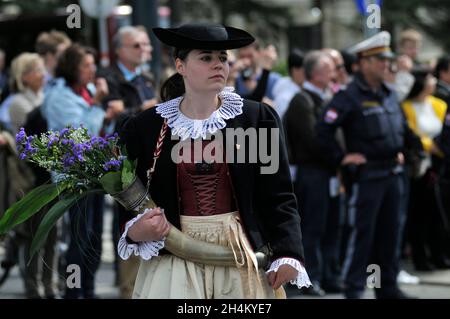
330,116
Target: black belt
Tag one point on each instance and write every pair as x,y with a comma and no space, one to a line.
381,164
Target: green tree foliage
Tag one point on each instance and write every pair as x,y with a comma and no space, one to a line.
267,17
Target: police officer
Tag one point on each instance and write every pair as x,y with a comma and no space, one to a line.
375,133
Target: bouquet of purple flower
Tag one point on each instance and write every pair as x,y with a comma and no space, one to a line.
81,164
79,160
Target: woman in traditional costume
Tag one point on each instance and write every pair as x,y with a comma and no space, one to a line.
202,148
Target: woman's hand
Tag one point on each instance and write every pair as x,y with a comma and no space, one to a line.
405,63
435,150
151,227
101,90
400,158
354,158
115,107
285,274
268,57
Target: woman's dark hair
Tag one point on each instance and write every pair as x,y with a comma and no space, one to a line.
173,87
295,59
420,79
442,65
349,60
70,60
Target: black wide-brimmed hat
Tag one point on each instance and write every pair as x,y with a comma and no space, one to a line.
204,36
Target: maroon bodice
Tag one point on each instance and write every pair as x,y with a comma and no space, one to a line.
205,188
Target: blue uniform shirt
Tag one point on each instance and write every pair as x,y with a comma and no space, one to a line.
373,124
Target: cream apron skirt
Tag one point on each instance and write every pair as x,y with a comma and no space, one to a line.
169,276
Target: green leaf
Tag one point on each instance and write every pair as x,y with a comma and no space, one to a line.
123,151
128,173
52,216
111,182
29,205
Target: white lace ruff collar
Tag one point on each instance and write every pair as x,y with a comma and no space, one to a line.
186,127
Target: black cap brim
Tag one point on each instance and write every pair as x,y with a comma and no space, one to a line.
387,55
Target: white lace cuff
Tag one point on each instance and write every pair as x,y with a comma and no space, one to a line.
302,279
145,249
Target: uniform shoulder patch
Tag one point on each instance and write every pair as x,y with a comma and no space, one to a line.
331,116
370,103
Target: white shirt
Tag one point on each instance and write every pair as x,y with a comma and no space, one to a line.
324,95
428,124
283,92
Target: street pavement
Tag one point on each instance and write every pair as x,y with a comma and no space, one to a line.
433,285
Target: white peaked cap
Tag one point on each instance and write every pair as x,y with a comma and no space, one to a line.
379,44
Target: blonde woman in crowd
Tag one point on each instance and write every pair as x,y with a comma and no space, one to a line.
27,81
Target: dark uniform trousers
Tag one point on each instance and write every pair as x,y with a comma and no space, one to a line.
375,215
321,224
444,208
332,242
312,191
85,244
